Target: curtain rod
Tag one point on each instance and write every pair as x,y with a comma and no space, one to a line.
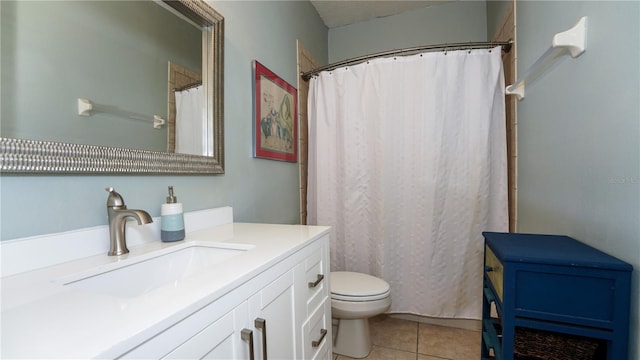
188,86
506,47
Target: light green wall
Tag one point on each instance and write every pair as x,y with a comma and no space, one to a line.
496,10
258,190
114,53
458,21
578,127
578,131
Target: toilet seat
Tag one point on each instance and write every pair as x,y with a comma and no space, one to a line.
352,286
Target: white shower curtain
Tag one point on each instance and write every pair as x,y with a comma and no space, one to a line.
407,162
189,121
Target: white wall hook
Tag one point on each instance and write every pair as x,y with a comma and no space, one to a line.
574,39
158,122
84,107
516,89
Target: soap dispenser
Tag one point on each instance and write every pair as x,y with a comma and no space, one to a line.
171,219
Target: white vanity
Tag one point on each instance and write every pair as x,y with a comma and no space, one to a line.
228,291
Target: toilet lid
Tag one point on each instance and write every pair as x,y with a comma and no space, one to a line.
346,285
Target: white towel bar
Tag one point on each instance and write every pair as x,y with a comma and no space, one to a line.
572,41
85,107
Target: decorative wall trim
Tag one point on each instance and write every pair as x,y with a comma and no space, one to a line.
34,156
507,32
306,62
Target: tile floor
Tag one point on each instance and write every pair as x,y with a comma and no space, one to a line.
397,339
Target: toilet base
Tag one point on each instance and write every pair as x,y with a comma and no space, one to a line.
353,339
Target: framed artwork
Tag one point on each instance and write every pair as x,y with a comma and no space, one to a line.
275,126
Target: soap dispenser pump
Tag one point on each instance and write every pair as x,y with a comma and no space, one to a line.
172,219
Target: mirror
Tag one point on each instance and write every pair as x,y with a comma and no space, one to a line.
46,132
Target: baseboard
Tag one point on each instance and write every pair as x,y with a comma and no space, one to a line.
468,324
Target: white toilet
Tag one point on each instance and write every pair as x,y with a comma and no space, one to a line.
355,297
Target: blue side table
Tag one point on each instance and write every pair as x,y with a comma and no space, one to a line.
555,284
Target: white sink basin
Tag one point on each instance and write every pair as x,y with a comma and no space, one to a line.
141,274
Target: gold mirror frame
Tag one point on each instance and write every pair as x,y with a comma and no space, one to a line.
46,157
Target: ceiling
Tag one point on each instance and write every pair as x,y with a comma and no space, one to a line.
336,13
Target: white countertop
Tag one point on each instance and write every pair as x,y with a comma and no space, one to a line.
42,318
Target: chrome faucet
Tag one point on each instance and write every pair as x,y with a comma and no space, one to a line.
118,213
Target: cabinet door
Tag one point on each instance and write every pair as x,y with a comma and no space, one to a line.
220,340
273,315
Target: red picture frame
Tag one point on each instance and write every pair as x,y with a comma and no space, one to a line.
275,126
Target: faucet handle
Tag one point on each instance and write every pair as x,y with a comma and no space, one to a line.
114,199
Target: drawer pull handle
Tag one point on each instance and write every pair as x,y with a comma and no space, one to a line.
488,268
262,325
316,343
314,284
247,335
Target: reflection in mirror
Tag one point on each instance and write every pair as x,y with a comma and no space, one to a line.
185,104
96,50
133,61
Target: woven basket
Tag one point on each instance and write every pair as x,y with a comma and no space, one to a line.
542,345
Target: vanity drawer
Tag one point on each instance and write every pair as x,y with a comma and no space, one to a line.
316,280
316,332
494,271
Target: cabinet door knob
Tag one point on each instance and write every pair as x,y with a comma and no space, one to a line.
247,335
316,343
262,325
314,284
